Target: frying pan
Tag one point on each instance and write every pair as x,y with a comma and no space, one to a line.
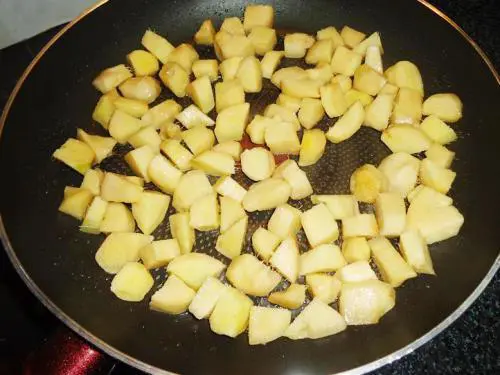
57,263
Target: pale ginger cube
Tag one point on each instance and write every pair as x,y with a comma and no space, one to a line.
407,107
232,148
366,183
230,243
258,15
264,242
323,287
177,153
331,33
390,211
263,39
415,252
378,112
256,129
289,102
424,196
250,74
372,41
117,218
285,221
162,113
123,126
214,163
400,171
206,298
301,88
184,55
116,188
175,78
229,67
267,324
139,159
285,259
257,163
362,225
333,100
147,136
231,122
297,44
321,73
157,45
159,253
233,26
231,211
312,147
192,186
182,231
405,138
198,139
146,89
373,59
200,90
118,249
228,93
143,62
345,61
111,78
322,258
282,138
319,225
436,177
205,34
270,62
266,194
204,213
164,174
348,124
104,110
437,130
150,210
352,96
230,45
296,178
231,313
173,297
132,282
311,112
356,272
228,187
279,113
440,155
340,206
351,37
355,249
208,68
249,275
447,107
192,117
320,51
368,80
94,216
92,181
291,298
75,154
102,146
195,268
291,72
405,74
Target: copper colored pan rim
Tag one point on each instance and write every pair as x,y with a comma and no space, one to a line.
154,370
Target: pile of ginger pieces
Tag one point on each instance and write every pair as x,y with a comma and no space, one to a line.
175,148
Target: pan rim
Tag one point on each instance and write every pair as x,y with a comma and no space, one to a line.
123,357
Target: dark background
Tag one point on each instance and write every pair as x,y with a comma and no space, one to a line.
470,345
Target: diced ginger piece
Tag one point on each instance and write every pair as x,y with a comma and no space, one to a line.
390,211
263,39
282,138
229,67
291,298
344,82
348,124
173,297
204,213
366,183
214,163
230,243
228,93
405,138
297,44
162,113
147,136
322,73
150,210
415,252
267,324
405,74
117,218
170,130
258,15
333,100
362,225
436,177
146,89
440,155
92,181
378,112
94,216
355,272
312,147
291,72
112,77
437,130
227,187
205,34
390,263
257,163
285,221
249,275
373,58
340,206
324,287
264,242
192,117
332,34
164,174
345,61
389,88
320,51
317,320
407,107
285,259
195,268
277,112
104,110
119,249
233,25
233,45
231,122
75,154
232,148
257,128
400,171
159,253
157,45
192,186
355,249
270,62
266,195
231,211
200,90
366,302
311,112
182,231
177,153
102,146
351,37
116,188
296,178
372,41
352,96
175,78
208,68
184,55
250,74
367,80
446,107
139,160
322,258
301,88
319,225
198,139
135,180
289,102
425,196
132,282
206,298
123,126
231,313
143,62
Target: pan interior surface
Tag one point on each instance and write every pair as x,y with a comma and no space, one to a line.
57,97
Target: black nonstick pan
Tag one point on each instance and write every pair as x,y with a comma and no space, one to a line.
56,261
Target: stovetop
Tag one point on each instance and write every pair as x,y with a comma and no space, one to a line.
470,346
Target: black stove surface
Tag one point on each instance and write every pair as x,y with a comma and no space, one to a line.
470,346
